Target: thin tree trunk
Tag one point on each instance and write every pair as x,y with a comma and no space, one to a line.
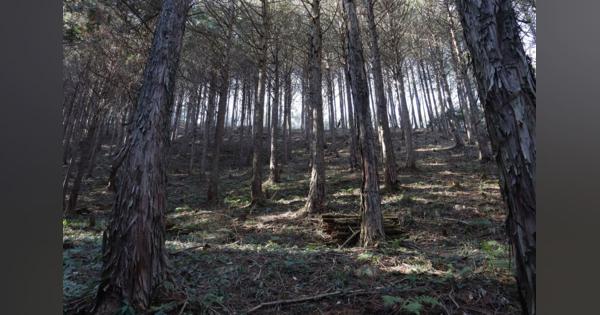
195,112
96,147
417,100
392,113
315,202
387,148
428,102
454,124
341,101
485,153
256,192
212,193
331,107
242,134
177,115
405,120
274,131
287,130
65,186
208,122
85,151
439,114
351,115
234,107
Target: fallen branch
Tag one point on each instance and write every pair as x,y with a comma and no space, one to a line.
350,238
302,299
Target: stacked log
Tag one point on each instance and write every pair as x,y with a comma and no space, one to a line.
344,228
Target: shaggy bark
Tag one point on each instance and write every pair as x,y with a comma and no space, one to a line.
371,229
134,255
315,201
507,86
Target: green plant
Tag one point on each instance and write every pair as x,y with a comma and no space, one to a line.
389,300
415,305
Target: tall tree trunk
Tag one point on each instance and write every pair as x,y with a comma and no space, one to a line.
287,130
212,193
460,65
387,148
428,96
234,110
256,192
134,255
351,115
65,185
177,115
208,121
441,101
454,123
341,101
372,101
85,151
455,62
269,108
79,119
371,229
331,107
425,89
315,202
392,113
405,120
194,113
439,114
418,101
96,147
274,132
242,134
507,86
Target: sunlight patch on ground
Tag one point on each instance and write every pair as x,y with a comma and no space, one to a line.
290,215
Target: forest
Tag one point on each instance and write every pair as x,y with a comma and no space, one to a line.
299,157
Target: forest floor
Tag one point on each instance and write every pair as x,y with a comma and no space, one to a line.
452,256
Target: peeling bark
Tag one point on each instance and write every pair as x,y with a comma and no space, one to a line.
371,229
134,255
507,86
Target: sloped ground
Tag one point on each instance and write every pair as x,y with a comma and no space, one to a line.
452,257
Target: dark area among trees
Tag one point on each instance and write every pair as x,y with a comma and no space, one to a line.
302,156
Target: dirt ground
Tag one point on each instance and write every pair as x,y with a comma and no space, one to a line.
452,256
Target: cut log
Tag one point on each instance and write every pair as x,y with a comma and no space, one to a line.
341,227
